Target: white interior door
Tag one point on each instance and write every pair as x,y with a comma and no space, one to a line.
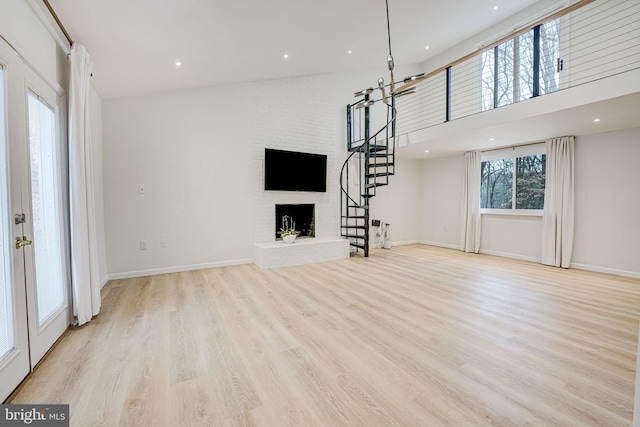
34,285
14,344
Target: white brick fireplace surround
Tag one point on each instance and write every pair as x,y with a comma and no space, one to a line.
301,115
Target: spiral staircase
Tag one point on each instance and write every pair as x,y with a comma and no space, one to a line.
369,165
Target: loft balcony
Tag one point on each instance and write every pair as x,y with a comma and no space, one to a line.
549,78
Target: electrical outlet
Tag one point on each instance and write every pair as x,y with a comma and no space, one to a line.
143,245
142,189
163,243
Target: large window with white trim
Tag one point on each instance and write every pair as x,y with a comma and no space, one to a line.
513,180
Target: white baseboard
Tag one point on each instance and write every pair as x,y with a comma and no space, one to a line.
513,256
177,269
406,242
394,243
606,270
439,244
577,266
104,281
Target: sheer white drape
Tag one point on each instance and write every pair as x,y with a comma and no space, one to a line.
558,218
84,252
470,235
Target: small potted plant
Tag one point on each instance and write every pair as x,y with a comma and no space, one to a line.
288,230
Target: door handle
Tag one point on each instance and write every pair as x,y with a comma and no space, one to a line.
20,242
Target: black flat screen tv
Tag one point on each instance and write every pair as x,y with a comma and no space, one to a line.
294,171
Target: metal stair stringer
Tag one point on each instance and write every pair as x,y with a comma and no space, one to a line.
368,166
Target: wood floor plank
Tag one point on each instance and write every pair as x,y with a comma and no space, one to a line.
413,336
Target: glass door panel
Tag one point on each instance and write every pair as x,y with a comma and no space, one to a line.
45,209
43,239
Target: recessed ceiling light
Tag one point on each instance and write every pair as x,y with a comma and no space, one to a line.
596,120
178,64
495,7
492,139
286,55
427,47
349,52
426,151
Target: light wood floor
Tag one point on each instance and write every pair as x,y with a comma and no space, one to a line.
414,336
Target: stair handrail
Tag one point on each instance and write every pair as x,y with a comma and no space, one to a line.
347,202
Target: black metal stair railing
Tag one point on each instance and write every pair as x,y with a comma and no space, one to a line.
367,167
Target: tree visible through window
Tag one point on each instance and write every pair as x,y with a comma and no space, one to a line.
530,180
549,55
507,70
497,189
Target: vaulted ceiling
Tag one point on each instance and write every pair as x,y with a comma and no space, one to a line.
135,44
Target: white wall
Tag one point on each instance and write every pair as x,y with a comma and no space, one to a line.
200,154
21,26
398,203
512,236
190,151
607,227
441,201
607,230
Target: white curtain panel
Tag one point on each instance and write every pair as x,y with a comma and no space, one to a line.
470,236
84,252
558,218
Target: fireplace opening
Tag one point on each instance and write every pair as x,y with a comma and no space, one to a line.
303,216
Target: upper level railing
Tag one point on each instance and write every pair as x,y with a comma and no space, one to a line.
585,42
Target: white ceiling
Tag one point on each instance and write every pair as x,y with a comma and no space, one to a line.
134,44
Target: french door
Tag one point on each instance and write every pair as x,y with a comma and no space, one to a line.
34,278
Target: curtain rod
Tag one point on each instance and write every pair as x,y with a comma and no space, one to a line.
513,147
55,17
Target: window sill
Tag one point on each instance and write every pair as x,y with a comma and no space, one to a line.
513,212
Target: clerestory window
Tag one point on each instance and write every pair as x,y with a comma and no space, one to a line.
508,71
